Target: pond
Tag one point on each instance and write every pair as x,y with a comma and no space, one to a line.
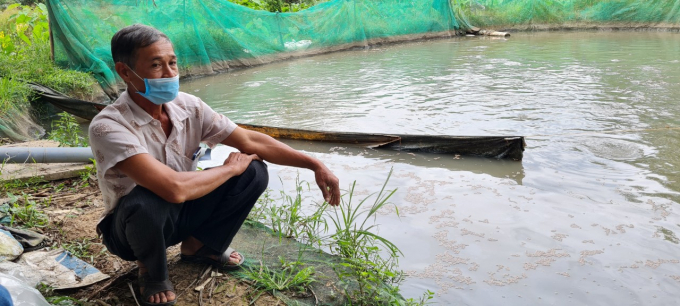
588,217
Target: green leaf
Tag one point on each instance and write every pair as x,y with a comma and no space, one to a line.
25,38
22,18
43,8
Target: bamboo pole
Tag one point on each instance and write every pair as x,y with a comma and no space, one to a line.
49,26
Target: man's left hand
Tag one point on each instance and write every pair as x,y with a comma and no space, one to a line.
329,184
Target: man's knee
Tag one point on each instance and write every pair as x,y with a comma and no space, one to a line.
141,203
261,175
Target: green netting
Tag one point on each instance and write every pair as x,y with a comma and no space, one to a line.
215,35
626,13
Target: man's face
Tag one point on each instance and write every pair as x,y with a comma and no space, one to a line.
155,61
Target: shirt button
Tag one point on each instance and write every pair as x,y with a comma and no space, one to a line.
154,122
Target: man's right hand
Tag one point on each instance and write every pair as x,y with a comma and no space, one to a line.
239,161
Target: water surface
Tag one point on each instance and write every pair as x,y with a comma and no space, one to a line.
588,217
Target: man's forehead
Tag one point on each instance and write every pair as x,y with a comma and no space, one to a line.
159,50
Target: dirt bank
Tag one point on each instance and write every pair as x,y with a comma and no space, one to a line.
74,210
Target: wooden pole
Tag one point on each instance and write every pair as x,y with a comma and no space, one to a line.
49,25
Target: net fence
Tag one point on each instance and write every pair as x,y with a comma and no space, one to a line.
215,35
622,13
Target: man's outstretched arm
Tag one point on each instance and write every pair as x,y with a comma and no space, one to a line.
274,151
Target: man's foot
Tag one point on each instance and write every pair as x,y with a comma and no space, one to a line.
158,298
191,247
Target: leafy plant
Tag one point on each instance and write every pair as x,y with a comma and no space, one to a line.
48,292
66,131
368,260
28,215
81,249
63,301
25,56
288,219
89,173
290,277
15,184
362,250
2,165
30,26
284,6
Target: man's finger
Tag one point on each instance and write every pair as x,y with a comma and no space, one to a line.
336,196
325,193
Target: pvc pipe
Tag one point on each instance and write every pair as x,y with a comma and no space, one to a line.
45,155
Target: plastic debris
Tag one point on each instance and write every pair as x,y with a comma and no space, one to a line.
28,275
10,248
5,217
61,270
297,45
30,240
22,293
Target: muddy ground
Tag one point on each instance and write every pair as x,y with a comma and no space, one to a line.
75,206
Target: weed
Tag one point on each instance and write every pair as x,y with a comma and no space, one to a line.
28,216
291,276
288,278
2,165
367,259
257,214
16,184
63,301
81,249
24,212
287,219
25,56
48,292
66,131
90,173
45,289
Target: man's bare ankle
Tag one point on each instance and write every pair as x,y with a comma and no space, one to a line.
190,246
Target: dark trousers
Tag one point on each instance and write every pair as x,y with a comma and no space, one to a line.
143,225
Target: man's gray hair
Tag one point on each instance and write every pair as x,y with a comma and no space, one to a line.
128,40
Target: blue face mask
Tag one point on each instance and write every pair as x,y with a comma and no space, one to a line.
159,91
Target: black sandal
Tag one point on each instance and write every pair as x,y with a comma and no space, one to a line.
203,256
151,288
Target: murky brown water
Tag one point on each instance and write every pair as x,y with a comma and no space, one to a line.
587,218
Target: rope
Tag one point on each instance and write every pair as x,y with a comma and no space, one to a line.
668,128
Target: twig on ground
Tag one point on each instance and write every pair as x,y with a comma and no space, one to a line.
202,286
134,296
110,282
196,280
316,300
212,288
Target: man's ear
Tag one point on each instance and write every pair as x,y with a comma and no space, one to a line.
123,71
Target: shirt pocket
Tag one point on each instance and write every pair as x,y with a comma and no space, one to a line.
181,160
188,162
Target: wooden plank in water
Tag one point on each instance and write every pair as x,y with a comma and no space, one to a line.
501,147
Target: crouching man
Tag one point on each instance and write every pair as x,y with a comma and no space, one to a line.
145,145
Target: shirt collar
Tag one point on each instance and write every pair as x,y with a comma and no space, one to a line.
176,113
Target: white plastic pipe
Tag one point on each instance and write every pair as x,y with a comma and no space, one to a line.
45,155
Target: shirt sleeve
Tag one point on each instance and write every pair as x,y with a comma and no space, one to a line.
112,143
216,127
